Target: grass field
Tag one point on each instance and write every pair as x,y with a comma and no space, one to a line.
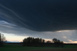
21,48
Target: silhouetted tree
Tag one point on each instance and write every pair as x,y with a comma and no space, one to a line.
27,41
30,41
2,39
48,42
57,43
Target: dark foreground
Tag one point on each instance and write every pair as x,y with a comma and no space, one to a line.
13,47
55,49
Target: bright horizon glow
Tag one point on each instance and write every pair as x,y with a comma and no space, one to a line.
14,38
64,30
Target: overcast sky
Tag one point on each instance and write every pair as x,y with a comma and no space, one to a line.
46,19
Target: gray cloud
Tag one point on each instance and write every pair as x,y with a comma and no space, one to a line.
39,18
64,35
40,15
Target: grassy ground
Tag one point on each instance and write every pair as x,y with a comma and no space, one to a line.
21,48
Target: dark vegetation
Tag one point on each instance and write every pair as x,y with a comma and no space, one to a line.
33,41
58,43
2,40
30,41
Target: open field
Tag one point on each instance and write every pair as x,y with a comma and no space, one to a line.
58,49
21,48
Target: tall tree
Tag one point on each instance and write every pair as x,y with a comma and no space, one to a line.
2,39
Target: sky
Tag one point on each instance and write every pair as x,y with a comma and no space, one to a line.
45,19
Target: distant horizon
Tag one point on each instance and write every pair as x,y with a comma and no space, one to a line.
20,42
18,38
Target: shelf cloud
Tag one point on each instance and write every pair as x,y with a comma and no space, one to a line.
40,18
40,15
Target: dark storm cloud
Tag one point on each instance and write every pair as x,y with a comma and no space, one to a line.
40,15
65,35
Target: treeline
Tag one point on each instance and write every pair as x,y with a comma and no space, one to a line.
30,41
37,42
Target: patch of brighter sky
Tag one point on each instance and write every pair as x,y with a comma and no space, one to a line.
14,38
63,31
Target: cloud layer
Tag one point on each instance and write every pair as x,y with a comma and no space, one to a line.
63,35
40,18
40,15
